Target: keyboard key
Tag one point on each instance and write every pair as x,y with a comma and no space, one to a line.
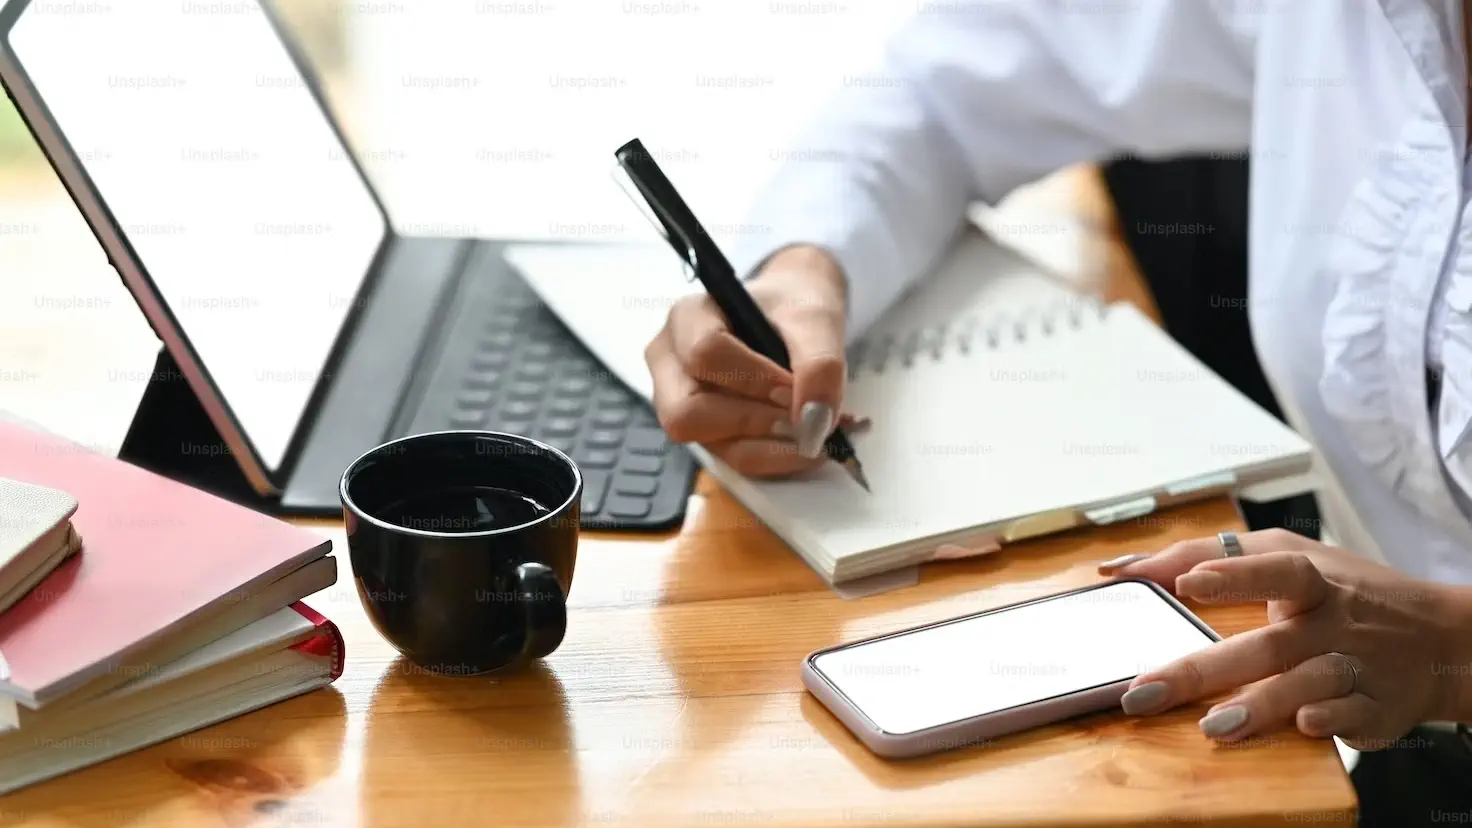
519,410
613,398
562,444
526,391
566,408
643,464
474,398
626,507
599,459
488,361
560,427
500,341
533,372
572,366
604,439
595,486
611,418
519,427
647,441
496,326
577,383
641,485
484,379
573,386
467,419
537,350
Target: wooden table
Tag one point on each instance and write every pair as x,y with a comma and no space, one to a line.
675,701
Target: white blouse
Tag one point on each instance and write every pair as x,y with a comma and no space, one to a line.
1354,112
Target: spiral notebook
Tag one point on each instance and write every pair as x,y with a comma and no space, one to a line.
1004,405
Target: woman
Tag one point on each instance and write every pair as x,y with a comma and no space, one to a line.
1360,297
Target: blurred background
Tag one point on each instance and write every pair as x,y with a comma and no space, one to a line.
480,118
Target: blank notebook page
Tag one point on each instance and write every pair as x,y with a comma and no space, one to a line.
1086,416
997,393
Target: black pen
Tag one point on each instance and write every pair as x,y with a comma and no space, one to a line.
701,254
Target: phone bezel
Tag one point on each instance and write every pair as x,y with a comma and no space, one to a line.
832,688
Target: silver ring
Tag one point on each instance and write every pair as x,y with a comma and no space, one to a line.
1230,546
1354,672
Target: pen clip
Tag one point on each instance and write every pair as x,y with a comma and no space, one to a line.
684,249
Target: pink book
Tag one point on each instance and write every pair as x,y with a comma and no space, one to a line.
164,570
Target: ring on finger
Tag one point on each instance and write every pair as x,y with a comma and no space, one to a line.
1354,672
1231,547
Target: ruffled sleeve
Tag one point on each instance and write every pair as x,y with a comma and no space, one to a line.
1359,384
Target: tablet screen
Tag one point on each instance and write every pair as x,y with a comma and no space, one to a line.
214,158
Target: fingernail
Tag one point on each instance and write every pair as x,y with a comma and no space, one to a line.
1315,720
782,428
1224,721
813,428
1199,584
1145,698
782,395
1123,561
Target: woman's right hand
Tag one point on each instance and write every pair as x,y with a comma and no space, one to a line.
758,418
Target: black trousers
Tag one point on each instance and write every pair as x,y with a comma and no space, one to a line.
1185,221
1425,779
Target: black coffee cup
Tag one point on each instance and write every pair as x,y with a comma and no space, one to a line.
463,545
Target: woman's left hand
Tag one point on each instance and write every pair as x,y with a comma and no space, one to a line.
1352,649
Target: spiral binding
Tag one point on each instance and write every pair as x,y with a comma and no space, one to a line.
893,350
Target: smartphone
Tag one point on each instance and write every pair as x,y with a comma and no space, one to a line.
975,678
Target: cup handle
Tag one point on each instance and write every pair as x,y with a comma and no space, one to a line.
545,609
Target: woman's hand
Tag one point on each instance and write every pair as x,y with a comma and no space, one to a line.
1352,649
758,418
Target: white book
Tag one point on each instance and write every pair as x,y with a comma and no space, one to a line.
1004,405
36,536
285,654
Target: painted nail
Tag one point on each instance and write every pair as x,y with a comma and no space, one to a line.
1145,698
782,395
782,428
1123,561
1200,584
1224,721
813,428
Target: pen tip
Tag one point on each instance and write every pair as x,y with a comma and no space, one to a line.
857,473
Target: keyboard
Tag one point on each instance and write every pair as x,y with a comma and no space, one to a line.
510,365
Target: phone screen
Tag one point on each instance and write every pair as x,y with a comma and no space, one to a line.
914,681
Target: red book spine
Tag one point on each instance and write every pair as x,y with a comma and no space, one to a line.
327,643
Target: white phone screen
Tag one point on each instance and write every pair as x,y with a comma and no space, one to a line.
911,682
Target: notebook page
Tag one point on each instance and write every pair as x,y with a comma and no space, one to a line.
1084,417
978,277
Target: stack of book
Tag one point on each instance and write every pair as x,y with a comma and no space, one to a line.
134,609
